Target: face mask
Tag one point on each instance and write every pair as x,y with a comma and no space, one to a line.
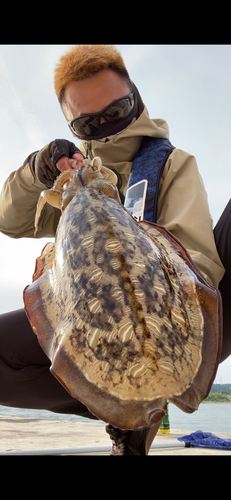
110,137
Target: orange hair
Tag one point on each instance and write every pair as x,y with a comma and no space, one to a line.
82,61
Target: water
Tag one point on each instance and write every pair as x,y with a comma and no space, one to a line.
6,411
209,417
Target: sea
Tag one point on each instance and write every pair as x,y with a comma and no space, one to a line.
210,417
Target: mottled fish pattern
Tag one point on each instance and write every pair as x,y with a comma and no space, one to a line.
123,314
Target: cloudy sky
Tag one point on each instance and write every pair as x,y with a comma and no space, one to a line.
187,85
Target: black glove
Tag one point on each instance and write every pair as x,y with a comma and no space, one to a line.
43,162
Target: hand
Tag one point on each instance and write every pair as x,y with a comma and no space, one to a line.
53,159
63,163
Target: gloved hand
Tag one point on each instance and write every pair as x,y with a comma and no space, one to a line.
43,163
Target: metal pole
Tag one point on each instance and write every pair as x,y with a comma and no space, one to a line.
85,450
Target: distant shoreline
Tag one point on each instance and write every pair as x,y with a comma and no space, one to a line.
218,397
216,402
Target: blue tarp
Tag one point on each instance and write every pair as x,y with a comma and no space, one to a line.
202,439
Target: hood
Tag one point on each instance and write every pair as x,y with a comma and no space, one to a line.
118,153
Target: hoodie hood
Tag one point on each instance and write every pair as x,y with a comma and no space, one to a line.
118,154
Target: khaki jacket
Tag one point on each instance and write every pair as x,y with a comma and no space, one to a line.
182,209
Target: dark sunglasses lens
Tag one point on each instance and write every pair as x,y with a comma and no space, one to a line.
87,125
90,124
118,110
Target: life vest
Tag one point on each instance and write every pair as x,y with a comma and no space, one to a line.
143,186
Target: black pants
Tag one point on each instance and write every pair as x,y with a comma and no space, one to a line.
222,234
25,379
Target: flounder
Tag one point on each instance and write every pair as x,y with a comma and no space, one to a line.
120,309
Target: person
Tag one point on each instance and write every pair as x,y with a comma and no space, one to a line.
104,109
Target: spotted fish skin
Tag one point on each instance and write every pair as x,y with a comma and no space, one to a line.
121,313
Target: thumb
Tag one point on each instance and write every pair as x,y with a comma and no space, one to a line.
79,158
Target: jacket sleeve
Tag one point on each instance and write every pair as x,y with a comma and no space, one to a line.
18,202
183,209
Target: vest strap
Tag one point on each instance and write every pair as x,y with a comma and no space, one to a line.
143,186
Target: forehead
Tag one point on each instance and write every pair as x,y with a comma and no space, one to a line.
93,94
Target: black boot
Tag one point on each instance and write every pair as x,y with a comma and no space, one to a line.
127,442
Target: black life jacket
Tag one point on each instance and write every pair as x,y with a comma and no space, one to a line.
143,186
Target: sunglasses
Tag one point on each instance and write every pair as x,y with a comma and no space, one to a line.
90,123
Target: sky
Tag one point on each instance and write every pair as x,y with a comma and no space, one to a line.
187,85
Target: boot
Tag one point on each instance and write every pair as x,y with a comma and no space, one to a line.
127,442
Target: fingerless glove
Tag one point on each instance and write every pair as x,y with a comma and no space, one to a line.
43,162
